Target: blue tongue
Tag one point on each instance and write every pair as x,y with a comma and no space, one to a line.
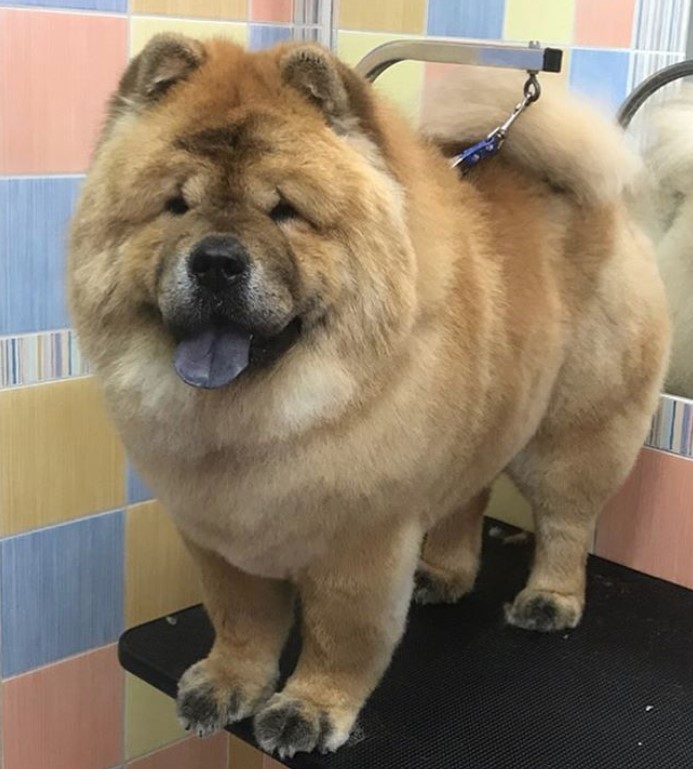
212,358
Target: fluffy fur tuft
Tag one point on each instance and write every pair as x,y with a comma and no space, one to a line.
663,203
558,138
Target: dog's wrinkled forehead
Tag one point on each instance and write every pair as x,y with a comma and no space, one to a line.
236,138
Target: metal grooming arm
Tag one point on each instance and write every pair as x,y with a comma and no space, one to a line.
532,57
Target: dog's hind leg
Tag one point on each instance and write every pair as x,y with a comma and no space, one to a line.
567,474
251,618
451,554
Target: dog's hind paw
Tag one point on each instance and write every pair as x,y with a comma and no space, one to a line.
544,611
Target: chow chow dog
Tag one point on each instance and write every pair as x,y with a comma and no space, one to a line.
663,203
321,344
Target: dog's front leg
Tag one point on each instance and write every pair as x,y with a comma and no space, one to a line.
251,618
354,605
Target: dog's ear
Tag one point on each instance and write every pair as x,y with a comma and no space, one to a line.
167,59
337,91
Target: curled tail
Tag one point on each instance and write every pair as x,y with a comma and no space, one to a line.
559,138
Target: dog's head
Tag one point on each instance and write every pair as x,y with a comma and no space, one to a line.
240,206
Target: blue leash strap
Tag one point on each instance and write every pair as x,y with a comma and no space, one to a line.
470,156
489,146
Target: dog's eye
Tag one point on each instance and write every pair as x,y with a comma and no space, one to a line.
177,206
283,211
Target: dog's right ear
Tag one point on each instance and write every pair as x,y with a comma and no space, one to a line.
167,59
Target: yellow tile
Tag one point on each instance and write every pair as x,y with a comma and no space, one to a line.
212,9
150,719
243,756
549,21
160,575
386,15
507,504
142,28
402,83
60,457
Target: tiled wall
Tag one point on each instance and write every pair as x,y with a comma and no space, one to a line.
84,552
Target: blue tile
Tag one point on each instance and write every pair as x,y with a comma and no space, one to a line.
601,75
466,18
62,591
34,213
119,6
137,488
267,35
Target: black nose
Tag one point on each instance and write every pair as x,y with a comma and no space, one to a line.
217,261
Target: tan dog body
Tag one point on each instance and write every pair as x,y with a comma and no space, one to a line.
452,329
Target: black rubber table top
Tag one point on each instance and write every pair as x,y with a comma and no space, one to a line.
466,692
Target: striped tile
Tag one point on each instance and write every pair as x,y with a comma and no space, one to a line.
62,591
117,6
34,214
65,716
267,35
466,19
34,358
661,25
672,427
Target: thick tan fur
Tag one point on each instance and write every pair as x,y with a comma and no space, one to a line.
662,202
452,329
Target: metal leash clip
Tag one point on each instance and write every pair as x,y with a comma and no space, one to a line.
494,141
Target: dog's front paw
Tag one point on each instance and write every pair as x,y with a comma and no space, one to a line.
544,611
287,726
210,698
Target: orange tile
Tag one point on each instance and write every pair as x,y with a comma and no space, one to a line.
58,70
271,10
270,763
65,716
244,756
649,523
606,25
189,754
210,9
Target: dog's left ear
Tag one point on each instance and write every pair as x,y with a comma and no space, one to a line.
338,92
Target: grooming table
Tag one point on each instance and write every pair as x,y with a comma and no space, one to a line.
466,692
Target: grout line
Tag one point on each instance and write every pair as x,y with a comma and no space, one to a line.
29,177
70,658
62,524
63,11
78,378
42,332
